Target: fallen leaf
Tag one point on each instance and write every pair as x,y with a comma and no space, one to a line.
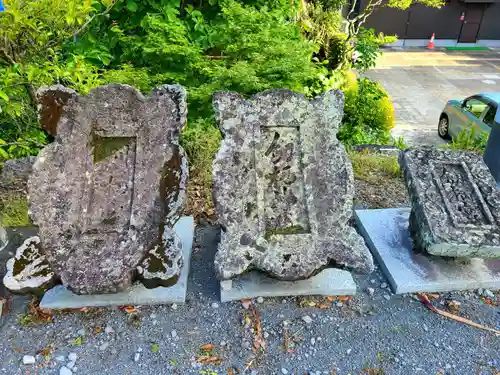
78,341
97,330
246,302
307,303
452,305
323,306
207,347
423,298
344,298
155,348
488,301
208,359
128,309
46,351
330,298
432,296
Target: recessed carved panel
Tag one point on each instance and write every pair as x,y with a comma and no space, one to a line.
462,199
282,182
110,193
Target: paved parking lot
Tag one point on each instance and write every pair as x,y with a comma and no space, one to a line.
420,82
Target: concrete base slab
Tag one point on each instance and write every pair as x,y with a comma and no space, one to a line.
386,234
329,282
61,298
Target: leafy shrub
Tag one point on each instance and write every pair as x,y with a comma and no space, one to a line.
368,115
469,140
368,45
336,50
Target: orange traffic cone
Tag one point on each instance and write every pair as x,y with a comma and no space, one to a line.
430,45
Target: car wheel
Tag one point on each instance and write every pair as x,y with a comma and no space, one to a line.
443,127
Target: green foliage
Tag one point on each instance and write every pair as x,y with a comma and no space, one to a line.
368,115
469,140
14,211
201,140
368,47
32,38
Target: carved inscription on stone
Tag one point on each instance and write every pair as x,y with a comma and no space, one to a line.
278,161
455,203
283,186
461,196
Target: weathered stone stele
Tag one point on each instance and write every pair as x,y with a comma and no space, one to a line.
283,186
455,203
103,193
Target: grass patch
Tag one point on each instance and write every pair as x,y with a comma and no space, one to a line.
370,167
14,211
471,48
200,140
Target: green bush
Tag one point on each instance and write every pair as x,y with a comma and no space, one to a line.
368,45
368,114
469,140
336,50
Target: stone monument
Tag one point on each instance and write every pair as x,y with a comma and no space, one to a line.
107,192
439,244
455,203
283,187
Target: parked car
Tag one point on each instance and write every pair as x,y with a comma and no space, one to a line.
477,111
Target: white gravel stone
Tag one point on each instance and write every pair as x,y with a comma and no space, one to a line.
60,358
260,300
284,371
173,334
349,351
339,304
307,319
109,330
215,305
72,357
29,360
65,371
104,346
313,341
174,306
137,356
70,365
387,297
383,285
370,291
488,293
246,304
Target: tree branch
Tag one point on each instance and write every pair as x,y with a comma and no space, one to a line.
108,9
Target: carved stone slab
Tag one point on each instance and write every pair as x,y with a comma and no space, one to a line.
455,203
283,186
115,177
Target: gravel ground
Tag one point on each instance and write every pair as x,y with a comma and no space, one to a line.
374,333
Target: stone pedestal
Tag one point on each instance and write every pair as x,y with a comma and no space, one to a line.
60,297
409,271
329,282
